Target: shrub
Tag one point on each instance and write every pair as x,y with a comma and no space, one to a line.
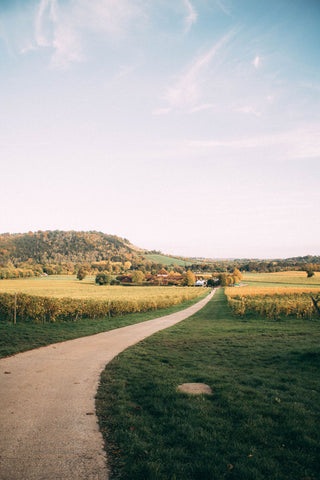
103,278
81,274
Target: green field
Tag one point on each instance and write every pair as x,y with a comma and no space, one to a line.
166,260
260,423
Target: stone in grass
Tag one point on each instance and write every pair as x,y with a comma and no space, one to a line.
195,388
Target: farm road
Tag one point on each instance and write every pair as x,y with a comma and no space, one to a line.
48,426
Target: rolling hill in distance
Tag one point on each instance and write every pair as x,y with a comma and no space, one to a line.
53,247
57,252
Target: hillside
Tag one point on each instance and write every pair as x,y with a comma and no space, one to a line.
166,260
59,246
64,251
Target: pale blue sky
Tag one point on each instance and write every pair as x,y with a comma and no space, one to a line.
188,126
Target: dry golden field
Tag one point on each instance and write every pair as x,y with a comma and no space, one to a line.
69,286
259,291
285,278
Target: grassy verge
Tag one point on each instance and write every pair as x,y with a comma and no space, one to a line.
261,422
22,336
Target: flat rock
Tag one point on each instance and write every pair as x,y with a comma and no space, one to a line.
195,388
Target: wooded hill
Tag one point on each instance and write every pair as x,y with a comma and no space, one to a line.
56,252
59,247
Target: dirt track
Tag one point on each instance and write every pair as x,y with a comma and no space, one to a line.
48,426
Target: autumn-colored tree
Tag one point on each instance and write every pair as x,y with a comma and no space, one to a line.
81,274
189,279
127,265
223,279
237,274
138,277
103,278
310,273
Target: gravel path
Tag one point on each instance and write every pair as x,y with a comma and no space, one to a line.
48,426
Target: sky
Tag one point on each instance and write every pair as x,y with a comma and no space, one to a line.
187,126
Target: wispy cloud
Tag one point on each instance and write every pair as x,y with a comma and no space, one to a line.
64,26
249,110
124,71
28,47
186,91
303,142
223,7
46,16
310,85
161,111
191,15
203,106
256,62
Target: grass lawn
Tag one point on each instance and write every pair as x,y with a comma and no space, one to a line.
261,423
24,336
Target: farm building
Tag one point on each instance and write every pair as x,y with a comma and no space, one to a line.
162,273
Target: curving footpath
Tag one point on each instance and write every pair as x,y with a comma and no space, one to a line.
48,426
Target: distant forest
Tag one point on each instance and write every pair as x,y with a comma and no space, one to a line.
64,252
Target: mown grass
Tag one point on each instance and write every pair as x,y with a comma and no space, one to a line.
261,422
23,336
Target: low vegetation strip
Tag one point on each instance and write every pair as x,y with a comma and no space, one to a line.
259,423
38,309
274,302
